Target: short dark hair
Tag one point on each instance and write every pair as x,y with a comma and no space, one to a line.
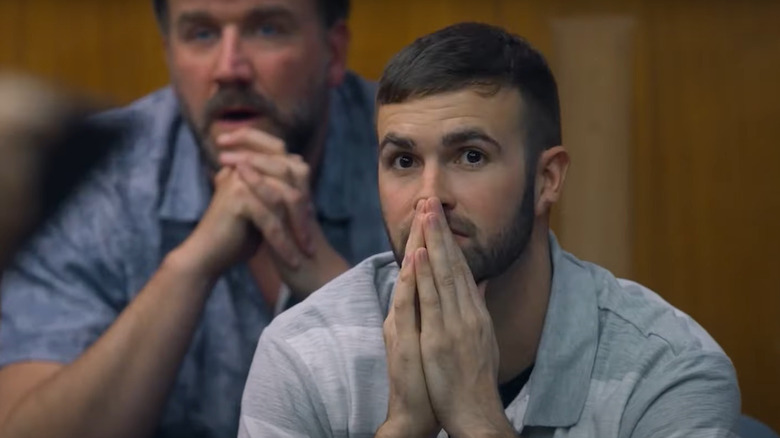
330,11
478,55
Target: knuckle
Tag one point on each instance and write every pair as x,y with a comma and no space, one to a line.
399,305
448,281
429,300
435,345
471,323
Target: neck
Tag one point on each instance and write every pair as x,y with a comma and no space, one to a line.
517,302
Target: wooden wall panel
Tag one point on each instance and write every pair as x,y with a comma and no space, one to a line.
10,28
594,61
708,186
381,28
108,48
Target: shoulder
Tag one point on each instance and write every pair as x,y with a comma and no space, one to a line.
651,318
117,197
667,359
358,91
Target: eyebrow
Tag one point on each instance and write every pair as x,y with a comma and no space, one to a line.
254,15
466,135
450,140
194,17
267,12
392,138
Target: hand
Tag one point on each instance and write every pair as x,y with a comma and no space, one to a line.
458,346
409,411
304,258
225,234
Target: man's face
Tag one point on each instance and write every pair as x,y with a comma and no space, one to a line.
264,64
465,148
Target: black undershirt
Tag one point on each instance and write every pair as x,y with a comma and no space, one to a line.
511,389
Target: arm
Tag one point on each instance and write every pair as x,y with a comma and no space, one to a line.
119,385
694,395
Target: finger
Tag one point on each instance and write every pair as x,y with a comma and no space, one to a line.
443,275
270,225
287,202
285,167
464,280
253,140
274,233
415,239
430,306
222,175
403,301
269,165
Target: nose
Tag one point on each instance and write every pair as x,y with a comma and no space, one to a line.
233,66
436,181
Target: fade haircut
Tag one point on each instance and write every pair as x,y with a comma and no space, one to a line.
331,11
484,57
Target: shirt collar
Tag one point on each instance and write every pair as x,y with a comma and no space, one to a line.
559,384
348,147
187,191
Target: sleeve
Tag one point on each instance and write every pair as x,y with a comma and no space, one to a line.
281,397
693,396
64,289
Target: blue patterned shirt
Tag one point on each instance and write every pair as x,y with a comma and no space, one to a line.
86,265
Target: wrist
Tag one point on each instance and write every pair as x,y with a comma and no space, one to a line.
403,428
186,262
498,427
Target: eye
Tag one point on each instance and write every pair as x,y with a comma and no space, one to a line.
472,157
268,29
200,34
403,161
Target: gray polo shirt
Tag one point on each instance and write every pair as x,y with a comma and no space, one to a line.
615,360
65,290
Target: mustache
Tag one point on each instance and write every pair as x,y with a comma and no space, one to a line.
232,97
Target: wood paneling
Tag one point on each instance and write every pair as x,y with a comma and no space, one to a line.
708,193
593,57
704,185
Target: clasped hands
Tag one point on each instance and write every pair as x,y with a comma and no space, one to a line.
442,354
262,193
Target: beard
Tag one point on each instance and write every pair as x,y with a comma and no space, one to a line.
296,128
496,253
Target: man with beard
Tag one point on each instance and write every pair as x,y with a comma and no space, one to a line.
242,188
488,329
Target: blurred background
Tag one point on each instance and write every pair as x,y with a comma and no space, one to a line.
671,111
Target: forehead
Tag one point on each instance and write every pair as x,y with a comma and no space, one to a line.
430,117
239,7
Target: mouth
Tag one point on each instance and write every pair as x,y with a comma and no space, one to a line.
237,115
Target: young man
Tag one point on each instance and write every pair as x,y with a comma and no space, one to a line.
489,328
136,311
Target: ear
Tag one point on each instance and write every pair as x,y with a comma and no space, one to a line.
338,44
551,174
